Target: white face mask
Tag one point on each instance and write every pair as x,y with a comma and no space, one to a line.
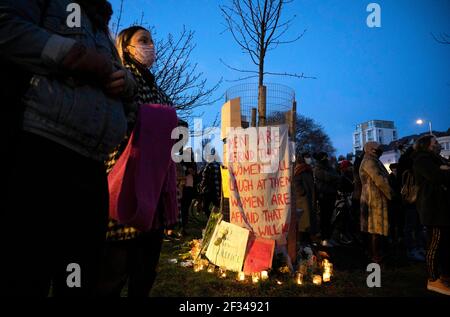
144,54
308,160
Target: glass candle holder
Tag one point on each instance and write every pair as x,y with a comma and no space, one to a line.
330,268
222,272
264,275
255,277
317,280
299,278
211,268
326,277
198,267
241,276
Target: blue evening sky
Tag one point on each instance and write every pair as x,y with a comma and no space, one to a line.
396,72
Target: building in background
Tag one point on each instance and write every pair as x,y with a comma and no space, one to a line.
391,152
381,131
444,140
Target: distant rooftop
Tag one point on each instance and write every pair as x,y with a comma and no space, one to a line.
376,123
410,139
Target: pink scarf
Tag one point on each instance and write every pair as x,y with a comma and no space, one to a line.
142,184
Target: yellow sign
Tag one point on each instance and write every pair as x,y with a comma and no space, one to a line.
228,245
225,182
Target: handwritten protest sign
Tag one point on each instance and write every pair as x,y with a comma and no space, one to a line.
259,255
260,181
227,246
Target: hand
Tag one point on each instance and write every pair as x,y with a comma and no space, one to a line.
116,83
445,167
87,64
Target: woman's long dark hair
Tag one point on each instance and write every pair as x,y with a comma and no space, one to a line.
423,143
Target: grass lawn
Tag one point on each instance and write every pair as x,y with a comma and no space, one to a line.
399,278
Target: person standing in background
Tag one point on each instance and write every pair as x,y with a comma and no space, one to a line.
326,181
432,176
375,196
304,185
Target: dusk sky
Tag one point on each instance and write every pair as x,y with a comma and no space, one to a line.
397,72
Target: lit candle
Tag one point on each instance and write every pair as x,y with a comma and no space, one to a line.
330,268
211,268
299,278
264,275
255,277
198,267
326,276
222,272
241,276
317,280
279,282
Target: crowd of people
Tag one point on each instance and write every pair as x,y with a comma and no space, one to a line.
402,213
76,119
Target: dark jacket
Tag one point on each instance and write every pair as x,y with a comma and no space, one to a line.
211,183
405,163
357,186
304,187
58,105
326,178
304,180
433,200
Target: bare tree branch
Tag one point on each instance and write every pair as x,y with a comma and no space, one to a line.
302,75
443,38
236,69
241,79
174,71
119,18
309,135
257,27
179,78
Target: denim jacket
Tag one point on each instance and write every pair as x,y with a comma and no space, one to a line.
77,115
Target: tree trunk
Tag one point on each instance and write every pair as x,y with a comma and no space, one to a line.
261,94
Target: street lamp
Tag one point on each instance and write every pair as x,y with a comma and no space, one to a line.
420,122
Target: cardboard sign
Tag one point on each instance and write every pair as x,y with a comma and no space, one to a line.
231,116
227,246
225,182
259,255
260,181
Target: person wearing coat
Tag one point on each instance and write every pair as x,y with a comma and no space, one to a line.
432,176
304,185
375,196
72,116
326,184
132,254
